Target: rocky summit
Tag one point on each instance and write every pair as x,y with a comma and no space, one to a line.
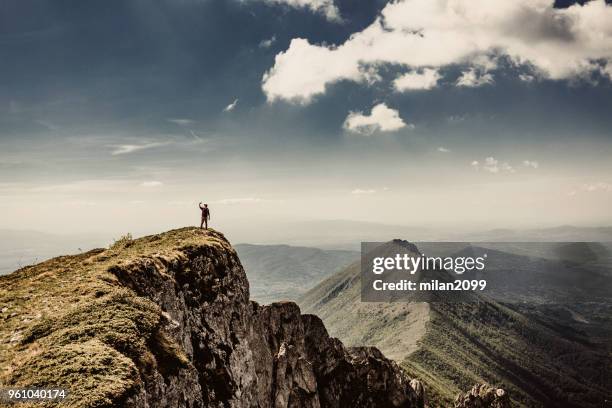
166,321
483,395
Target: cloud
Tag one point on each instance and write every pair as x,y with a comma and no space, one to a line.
325,7
131,148
150,184
472,78
443,149
381,118
593,187
554,43
457,118
181,122
597,186
267,43
531,163
231,106
359,191
427,79
492,165
527,77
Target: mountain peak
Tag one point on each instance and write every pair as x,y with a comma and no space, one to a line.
166,321
406,244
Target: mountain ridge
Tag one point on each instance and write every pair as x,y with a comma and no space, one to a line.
451,345
166,321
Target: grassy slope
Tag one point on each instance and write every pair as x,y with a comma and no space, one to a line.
67,322
394,328
457,345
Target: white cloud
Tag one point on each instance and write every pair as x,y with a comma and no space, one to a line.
324,7
231,106
597,186
531,163
360,191
131,148
382,118
492,165
427,79
473,78
267,43
457,118
526,77
555,43
443,149
181,122
152,183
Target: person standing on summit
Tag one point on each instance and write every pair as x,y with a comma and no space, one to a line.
205,215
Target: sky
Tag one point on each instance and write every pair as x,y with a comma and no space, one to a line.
121,116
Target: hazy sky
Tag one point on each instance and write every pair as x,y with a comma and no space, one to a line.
121,116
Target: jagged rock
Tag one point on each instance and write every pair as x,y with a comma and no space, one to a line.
166,321
419,389
483,396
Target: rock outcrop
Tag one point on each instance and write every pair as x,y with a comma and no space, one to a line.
483,396
166,321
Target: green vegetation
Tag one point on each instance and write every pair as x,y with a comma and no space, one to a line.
539,360
123,241
489,342
68,322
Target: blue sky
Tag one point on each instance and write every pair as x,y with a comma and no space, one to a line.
304,109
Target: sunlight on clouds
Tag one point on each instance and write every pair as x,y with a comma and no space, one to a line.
231,106
472,78
492,165
555,43
131,148
427,79
181,122
382,118
360,191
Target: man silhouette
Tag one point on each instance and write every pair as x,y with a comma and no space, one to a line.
205,215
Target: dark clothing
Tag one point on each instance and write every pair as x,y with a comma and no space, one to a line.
205,216
205,213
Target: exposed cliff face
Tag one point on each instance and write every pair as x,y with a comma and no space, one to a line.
483,395
166,321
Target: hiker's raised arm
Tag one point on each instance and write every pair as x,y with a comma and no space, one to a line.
200,205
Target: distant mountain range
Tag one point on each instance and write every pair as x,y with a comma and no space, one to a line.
282,272
342,234
19,248
546,355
